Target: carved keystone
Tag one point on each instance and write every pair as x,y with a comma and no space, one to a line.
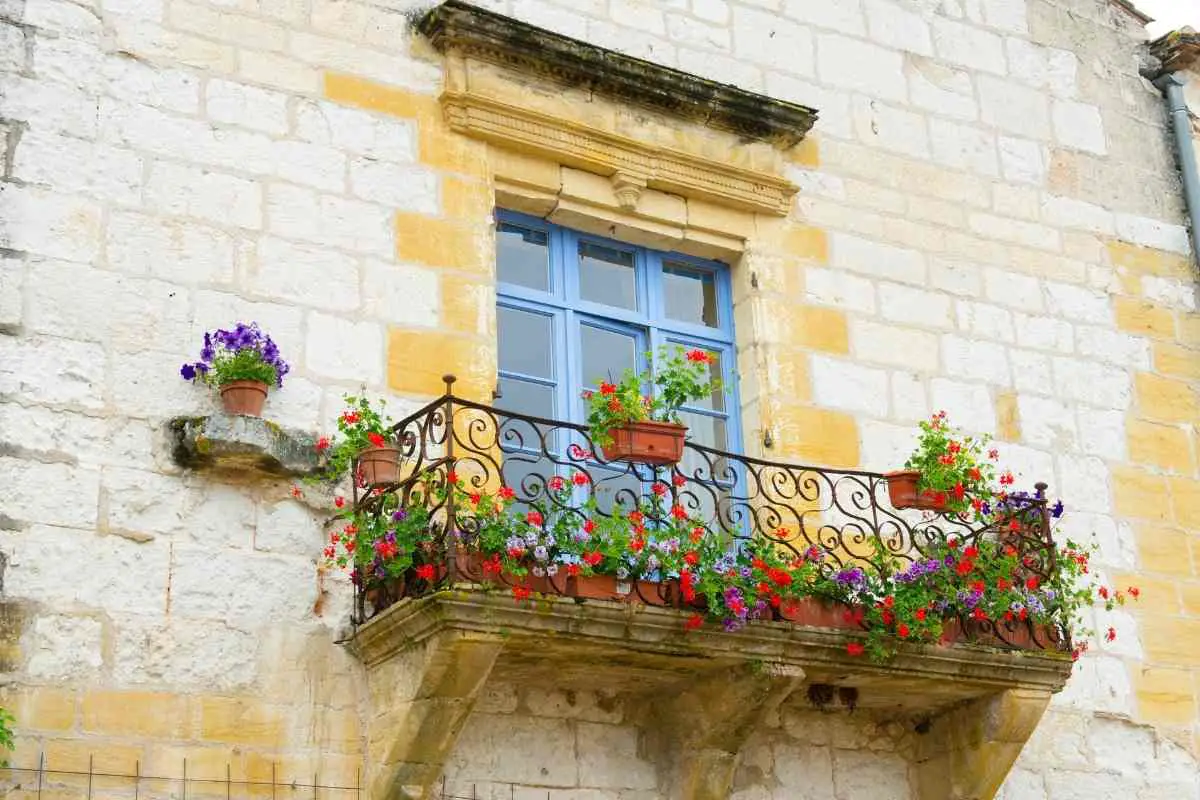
424,698
699,735
969,751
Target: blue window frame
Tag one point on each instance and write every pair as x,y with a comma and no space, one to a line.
575,308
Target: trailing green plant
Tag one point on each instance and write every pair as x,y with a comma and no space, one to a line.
6,734
362,425
957,469
680,376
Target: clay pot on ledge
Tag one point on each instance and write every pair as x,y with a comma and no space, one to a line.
653,443
817,613
903,492
379,465
244,398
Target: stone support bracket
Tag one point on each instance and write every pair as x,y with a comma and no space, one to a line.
242,444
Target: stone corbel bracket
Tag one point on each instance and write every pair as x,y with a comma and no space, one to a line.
242,444
427,660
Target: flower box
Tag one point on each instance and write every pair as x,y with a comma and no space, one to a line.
609,587
653,443
904,494
817,613
1022,636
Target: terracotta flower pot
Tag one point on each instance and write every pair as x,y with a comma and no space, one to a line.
593,587
244,398
379,465
655,443
903,492
817,613
608,587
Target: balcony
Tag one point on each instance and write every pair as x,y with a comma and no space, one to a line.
976,695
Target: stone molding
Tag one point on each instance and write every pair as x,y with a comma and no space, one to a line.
630,163
983,703
462,28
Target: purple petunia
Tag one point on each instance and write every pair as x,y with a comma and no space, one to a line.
223,345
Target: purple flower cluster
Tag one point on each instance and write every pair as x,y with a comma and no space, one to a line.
853,578
919,569
224,345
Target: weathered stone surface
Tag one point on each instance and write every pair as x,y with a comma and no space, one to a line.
243,444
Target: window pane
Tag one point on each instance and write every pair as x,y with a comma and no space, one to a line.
607,275
706,430
716,371
606,354
615,488
690,294
526,342
523,397
522,257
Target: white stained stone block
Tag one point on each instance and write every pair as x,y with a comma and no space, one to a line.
852,64
1115,347
146,504
309,164
1030,234
1153,233
848,386
1013,289
1079,125
12,290
76,166
1102,433
956,277
1092,383
183,655
517,749
964,147
836,118
405,188
244,591
803,772
60,435
288,527
57,372
1060,741
1014,108
109,573
711,10
1042,67
1067,212
65,648
145,385
941,89
1044,333
1006,15
61,17
298,406
1078,303
845,16
969,46
120,311
341,349
865,773
1123,746
876,259
894,346
885,445
718,67
173,249
48,223
1084,480
358,132
154,85
1100,683
968,404
305,274
890,128
1124,625
976,360
909,401
1031,372
1023,161
833,287
223,310
1022,784
898,26
54,107
212,196
692,32
613,757
12,48
1047,423
899,303
982,319
326,220
248,106
401,294
1169,292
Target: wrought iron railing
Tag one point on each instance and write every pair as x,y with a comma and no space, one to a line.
846,513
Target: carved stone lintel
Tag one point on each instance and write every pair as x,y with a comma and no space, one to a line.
628,189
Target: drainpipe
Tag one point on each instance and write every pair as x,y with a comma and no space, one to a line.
1171,86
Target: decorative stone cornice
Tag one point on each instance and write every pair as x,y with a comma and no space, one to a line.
1178,50
631,163
455,26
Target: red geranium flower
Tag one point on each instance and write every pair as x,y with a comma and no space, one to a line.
572,570
679,512
678,480
476,498
697,534
521,593
296,492
376,439
636,517
339,501
920,615
593,559
971,552
691,558
589,526
425,572
1134,592
579,479
693,622
1032,583
505,493
350,417
659,489
855,649
323,443
698,356
1110,635
979,614
608,388
534,518
902,629
451,477
889,601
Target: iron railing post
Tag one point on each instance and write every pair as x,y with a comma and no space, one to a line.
451,534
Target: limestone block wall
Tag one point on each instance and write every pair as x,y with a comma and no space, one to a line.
988,222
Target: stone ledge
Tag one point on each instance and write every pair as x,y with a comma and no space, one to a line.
455,26
242,444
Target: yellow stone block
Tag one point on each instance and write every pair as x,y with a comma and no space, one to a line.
1008,417
352,90
1164,550
1140,494
816,436
467,200
815,328
1189,598
1185,500
1146,319
242,721
442,243
1189,330
104,756
802,241
1171,641
1165,696
721,219
807,153
468,306
1148,261
520,169
1159,596
204,763
444,149
1167,447
1166,399
45,708
1175,361
144,714
417,360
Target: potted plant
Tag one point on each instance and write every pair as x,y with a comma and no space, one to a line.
948,472
365,445
242,363
629,426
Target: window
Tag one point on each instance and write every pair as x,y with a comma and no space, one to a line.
575,308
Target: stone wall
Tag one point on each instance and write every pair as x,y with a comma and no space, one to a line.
989,222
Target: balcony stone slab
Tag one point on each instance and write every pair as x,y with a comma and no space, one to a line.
428,659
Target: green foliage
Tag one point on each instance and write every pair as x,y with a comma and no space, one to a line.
680,377
953,466
6,733
242,365
360,426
